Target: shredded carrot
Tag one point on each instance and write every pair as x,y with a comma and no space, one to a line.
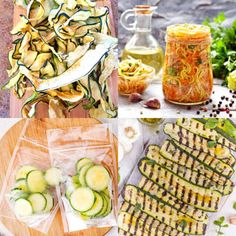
187,73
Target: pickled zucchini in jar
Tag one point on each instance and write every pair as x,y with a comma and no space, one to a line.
187,72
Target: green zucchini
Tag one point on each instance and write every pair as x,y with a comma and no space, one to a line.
164,196
38,202
223,137
215,164
191,194
23,208
171,151
190,174
195,142
133,220
162,212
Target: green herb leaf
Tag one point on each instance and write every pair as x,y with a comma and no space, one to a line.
234,205
211,123
137,207
211,144
183,224
151,162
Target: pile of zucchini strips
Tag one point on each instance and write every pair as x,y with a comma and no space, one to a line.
88,192
182,181
63,56
31,192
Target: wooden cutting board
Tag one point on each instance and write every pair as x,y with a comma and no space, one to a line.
16,104
7,145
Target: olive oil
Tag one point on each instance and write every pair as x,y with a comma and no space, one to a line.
149,56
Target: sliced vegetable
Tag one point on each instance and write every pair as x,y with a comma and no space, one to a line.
23,208
38,202
35,181
50,202
160,193
97,206
53,176
82,199
97,178
162,212
80,163
22,185
191,194
83,172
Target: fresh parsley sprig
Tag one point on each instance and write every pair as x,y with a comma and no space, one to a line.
221,224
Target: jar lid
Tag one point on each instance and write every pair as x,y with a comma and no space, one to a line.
144,9
188,31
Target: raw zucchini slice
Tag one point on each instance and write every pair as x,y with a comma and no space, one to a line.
195,142
53,176
97,178
191,194
35,181
23,171
50,202
138,223
23,208
164,196
82,173
105,206
190,174
109,205
80,163
82,199
162,212
172,152
22,185
38,202
18,193
97,206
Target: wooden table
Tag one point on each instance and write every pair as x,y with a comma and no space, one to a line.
169,110
7,145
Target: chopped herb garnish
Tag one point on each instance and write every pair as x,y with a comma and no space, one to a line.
172,71
221,224
211,144
234,205
211,123
137,207
191,47
199,61
183,224
150,162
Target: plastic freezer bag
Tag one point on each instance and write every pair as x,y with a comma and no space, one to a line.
87,159
17,199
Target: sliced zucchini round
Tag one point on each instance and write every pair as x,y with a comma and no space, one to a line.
105,205
50,202
23,207
35,181
97,206
38,202
82,199
109,206
97,178
53,176
82,173
80,163
18,193
21,185
23,171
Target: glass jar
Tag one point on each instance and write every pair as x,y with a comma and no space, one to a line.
187,72
142,44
